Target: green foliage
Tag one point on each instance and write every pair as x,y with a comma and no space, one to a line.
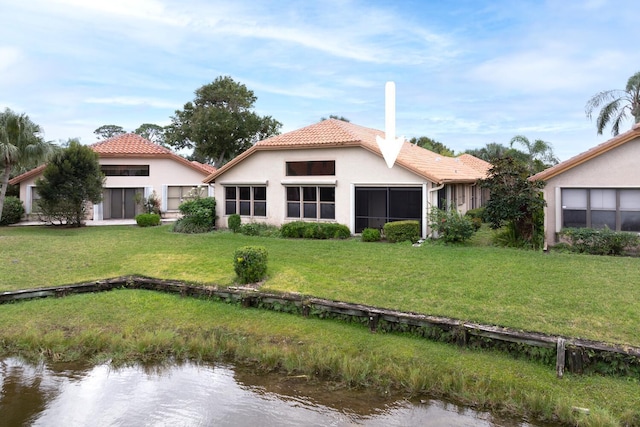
451,225
259,229
315,230
109,131
600,241
371,235
515,201
12,211
199,216
616,104
250,263
234,222
220,122
71,180
148,219
150,204
402,231
477,217
432,145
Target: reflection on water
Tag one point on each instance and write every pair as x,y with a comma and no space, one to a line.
202,395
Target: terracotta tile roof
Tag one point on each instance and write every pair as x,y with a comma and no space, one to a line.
334,133
599,149
128,145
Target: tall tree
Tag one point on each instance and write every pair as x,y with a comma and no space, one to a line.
616,104
515,201
432,145
109,131
152,132
21,146
71,179
220,122
540,153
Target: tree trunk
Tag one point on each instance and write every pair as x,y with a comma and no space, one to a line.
5,183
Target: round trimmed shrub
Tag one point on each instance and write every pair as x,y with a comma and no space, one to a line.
148,220
250,263
12,211
370,235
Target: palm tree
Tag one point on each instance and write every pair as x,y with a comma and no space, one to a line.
616,104
21,145
540,153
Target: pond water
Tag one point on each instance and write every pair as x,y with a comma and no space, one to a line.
189,394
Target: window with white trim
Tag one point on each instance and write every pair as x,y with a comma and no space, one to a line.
311,202
245,200
176,194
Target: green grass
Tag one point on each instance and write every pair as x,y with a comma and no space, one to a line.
574,295
125,325
566,294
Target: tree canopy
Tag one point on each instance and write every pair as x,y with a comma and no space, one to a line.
71,179
616,104
336,117
152,132
109,131
515,201
432,145
21,147
220,122
540,153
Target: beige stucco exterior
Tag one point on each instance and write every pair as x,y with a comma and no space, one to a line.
613,165
163,172
354,167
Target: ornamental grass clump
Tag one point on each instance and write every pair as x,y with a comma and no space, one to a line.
250,263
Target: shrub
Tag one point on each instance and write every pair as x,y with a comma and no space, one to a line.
250,263
600,241
401,231
234,222
315,230
12,211
370,235
476,213
148,220
199,216
451,226
259,229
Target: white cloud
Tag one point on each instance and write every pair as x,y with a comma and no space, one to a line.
132,101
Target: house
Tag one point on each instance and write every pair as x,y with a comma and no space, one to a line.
132,166
597,188
334,171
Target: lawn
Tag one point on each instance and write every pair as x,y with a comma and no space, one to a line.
565,294
573,295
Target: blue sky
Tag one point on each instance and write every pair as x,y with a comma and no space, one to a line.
467,73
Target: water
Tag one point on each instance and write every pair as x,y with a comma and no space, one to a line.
203,395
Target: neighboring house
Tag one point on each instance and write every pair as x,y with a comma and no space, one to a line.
132,165
333,171
597,188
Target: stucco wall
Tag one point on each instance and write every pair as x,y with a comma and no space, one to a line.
354,167
617,168
162,173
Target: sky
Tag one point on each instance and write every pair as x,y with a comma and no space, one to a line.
467,72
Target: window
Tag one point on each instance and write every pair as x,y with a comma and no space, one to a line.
617,209
245,200
376,206
125,170
35,200
311,168
311,202
178,194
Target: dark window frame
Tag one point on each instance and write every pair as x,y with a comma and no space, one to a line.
245,200
592,216
311,202
311,168
125,170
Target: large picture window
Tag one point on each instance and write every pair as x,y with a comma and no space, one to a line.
375,206
311,168
311,202
617,209
245,200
